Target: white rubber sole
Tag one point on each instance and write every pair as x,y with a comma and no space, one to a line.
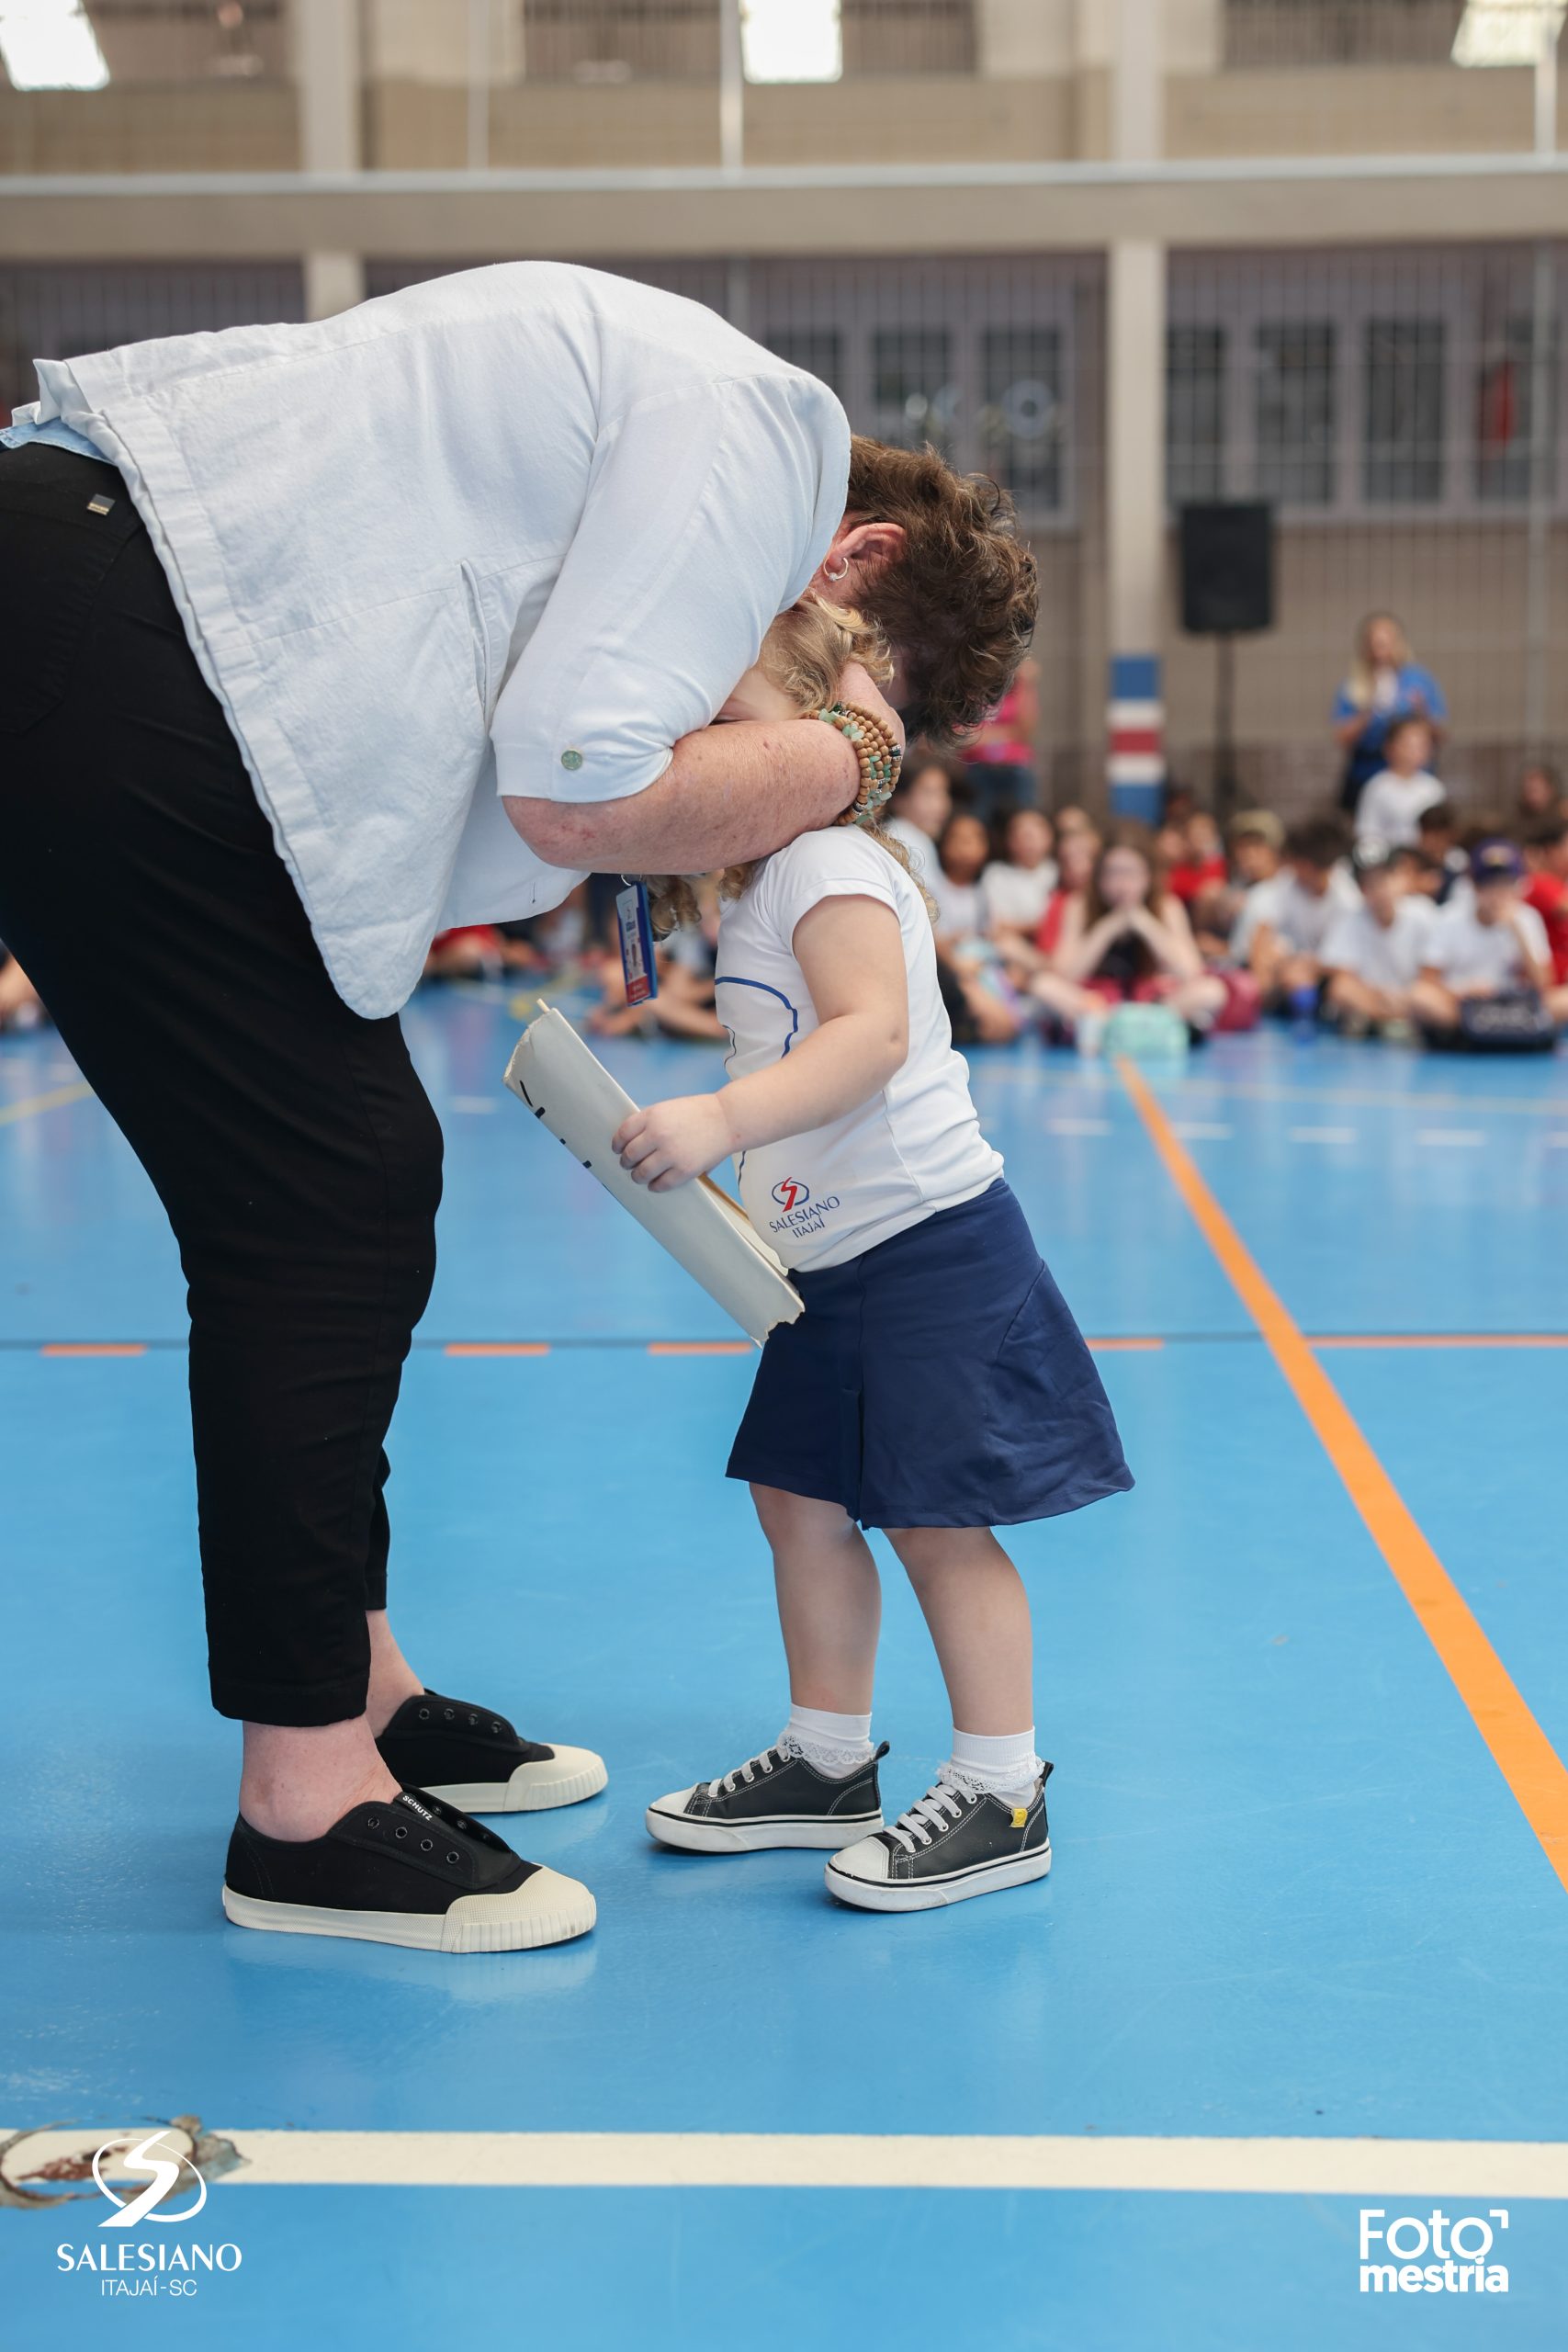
547,1909
565,1778
700,1836
905,1895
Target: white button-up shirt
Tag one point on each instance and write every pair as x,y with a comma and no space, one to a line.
516,531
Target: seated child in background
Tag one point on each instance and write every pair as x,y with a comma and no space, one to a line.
936,1385
1495,947
1447,873
1546,888
1539,795
1197,857
683,1004
1374,955
932,785
1390,807
1019,880
1255,841
954,883
1127,938
1282,926
956,888
1257,845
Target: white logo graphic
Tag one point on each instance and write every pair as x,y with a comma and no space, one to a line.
165,2171
1431,2256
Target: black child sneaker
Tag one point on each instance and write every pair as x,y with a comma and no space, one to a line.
775,1798
957,1841
407,1871
471,1758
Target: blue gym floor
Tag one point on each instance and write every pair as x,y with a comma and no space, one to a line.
1294,1896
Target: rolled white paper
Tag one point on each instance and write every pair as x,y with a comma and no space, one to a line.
571,1093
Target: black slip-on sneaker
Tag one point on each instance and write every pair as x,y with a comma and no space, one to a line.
471,1758
774,1799
956,1841
409,1870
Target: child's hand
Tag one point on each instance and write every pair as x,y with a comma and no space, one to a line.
670,1142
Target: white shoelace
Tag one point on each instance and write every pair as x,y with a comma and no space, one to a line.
726,1786
941,1805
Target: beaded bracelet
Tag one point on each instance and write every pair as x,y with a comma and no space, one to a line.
878,753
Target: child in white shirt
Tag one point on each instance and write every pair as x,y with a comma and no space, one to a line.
1394,800
935,1386
1374,952
1492,945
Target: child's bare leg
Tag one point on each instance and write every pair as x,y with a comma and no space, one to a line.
982,1825
976,1606
829,1600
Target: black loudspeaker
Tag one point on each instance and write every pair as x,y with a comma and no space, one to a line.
1227,568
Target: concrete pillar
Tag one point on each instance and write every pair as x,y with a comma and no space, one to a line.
1134,441
326,35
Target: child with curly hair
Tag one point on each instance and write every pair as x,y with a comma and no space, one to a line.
936,1385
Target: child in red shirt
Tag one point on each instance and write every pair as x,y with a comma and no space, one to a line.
1547,888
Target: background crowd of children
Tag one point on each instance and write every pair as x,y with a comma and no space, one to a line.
1389,915
1395,930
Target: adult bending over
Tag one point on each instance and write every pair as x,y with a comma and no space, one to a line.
315,640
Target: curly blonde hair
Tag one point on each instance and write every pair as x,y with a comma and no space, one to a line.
804,655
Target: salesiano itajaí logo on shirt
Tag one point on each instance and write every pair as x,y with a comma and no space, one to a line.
803,1213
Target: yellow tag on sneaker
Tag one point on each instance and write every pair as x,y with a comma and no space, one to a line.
1019,1815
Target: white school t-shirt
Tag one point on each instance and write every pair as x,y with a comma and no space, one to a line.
1469,953
1384,956
1390,807
829,1195
1301,920
1018,895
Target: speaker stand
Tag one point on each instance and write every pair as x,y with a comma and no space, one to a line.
1227,790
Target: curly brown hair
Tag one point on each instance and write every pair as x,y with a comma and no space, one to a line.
959,605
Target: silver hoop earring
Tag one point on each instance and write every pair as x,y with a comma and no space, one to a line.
842,573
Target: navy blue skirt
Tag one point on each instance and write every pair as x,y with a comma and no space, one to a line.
938,1381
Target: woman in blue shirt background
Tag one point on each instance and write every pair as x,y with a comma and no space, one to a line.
1385,683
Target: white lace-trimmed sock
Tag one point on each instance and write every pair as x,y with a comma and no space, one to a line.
837,1745
1004,1764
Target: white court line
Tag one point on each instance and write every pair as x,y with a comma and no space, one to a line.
1555,1143
1320,1135
1293,2168
1450,1134
1079,1126
473,1103
1199,1131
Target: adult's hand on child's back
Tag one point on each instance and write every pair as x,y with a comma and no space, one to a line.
668,1143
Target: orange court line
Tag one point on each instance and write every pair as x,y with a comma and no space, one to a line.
1123,1347
1448,1339
93,1347
1523,1754
498,1347
700,1348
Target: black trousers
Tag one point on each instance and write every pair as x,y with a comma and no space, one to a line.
289,1140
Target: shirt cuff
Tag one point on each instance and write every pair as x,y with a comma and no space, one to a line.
575,775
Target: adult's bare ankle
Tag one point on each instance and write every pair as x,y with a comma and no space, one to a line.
288,1812
296,1780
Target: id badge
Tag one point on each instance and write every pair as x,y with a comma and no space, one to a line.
636,943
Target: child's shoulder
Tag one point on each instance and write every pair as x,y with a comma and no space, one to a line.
834,853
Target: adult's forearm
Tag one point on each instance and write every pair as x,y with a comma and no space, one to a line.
729,793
